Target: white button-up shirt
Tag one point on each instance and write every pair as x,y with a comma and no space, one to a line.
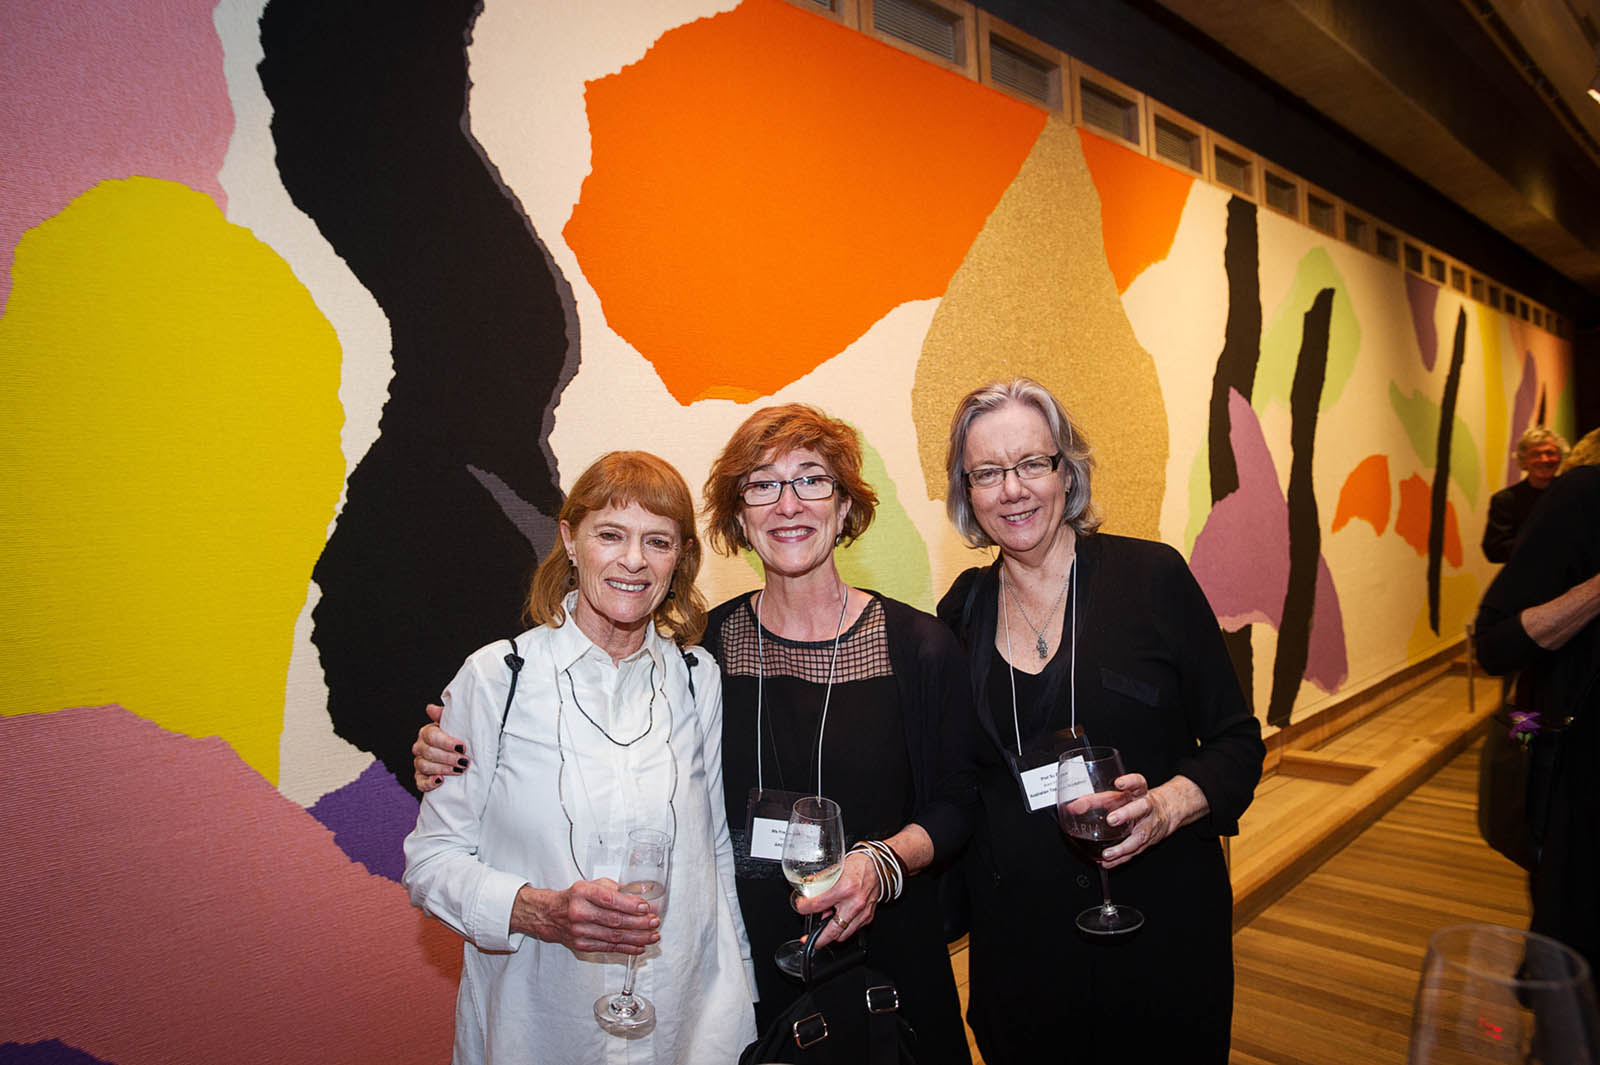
556,809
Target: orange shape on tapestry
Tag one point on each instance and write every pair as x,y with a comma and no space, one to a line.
1141,203
1365,495
1416,502
766,184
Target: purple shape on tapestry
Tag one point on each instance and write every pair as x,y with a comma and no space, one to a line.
370,818
1241,557
1521,414
1327,665
1423,295
48,1052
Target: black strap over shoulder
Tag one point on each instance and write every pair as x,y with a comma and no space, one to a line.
515,661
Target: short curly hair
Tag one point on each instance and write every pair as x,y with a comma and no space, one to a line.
775,430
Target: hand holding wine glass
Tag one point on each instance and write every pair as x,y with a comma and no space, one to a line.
644,874
1086,792
813,858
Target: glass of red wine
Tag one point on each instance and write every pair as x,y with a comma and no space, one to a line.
1085,793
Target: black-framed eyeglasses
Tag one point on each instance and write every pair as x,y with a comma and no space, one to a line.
811,487
1030,468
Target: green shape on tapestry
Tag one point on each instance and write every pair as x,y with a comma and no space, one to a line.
891,557
1281,339
1419,415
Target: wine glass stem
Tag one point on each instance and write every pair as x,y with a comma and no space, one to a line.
627,984
1107,907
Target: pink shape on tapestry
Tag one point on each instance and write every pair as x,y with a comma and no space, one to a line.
221,920
97,91
1423,296
1241,557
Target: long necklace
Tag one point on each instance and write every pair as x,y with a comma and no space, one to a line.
827,694
1043,645
648,725
1072,666
561,771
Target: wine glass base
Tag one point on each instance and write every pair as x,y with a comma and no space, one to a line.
790,958
1097,922
624,1016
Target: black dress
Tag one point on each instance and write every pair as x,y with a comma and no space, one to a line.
1560,548
1154,680
876,763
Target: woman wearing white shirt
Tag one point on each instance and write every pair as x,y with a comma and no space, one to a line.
611,728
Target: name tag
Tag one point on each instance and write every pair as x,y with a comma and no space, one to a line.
767,821
1039,787
1077,778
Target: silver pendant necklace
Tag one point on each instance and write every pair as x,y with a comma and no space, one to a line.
1042,645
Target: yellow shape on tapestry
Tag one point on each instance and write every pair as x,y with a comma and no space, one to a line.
1458,604
170,465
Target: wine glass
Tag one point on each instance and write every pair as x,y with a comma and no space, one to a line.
1085,793
813,858
644,873
1489,993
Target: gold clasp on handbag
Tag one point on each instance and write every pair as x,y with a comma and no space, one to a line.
816,1030
884,998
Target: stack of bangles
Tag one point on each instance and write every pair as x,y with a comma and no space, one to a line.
890,869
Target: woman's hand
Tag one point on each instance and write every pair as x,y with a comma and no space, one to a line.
1154,813
436,754
853,900
591,915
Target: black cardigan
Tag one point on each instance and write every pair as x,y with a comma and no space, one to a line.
936,701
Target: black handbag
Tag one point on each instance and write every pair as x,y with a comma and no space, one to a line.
848,1015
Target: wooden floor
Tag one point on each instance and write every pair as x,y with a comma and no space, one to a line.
1327,973
1386,852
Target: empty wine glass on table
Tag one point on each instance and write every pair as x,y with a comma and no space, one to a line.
1085,793
644,873
1489,993
813,858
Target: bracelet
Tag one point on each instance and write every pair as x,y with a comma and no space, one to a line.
891,870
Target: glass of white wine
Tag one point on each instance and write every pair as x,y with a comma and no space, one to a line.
813,858
644,873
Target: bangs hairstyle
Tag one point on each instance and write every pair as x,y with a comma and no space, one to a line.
774,431
617,479
1069,440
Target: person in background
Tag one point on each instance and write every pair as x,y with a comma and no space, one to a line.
606,732
1541,615
1073,627
1539,454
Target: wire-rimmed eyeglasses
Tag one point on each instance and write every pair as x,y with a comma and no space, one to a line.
811,488
1030,468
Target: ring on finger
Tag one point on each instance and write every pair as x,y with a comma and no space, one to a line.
842,921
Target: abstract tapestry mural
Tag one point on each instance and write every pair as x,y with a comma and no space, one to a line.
312,308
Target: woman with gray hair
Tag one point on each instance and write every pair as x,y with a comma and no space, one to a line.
1073,631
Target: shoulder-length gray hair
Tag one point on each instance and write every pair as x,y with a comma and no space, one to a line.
1075,453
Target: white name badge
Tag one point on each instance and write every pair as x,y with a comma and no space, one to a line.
1077,782
766,838
1039,787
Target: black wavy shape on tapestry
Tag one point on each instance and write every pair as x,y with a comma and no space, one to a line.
1305,530
1236,370
1441,470
369,121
